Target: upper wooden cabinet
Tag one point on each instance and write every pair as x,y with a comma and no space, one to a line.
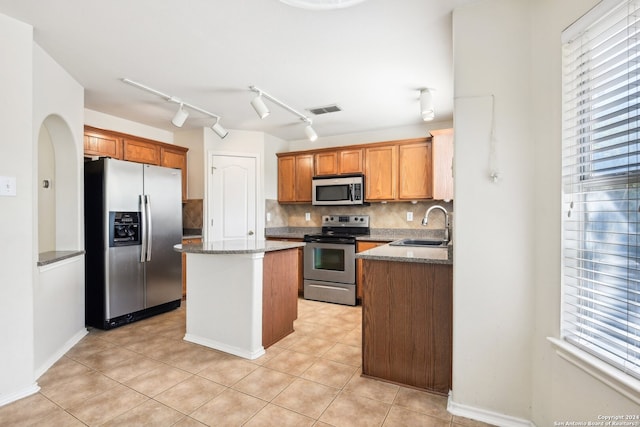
381,172
415,171
443,164
326,163
294,178
175,157
351,161
135,150
338,162
104,143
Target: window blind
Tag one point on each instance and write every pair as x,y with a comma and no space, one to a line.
601,187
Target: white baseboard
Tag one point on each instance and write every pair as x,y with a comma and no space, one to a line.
17,395
60,352
486,416
247,354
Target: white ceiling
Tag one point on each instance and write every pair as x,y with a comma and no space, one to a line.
370,59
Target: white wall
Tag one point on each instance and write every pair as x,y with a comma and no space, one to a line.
58,111
108,122
493,272
561,391
18,229
390,134
507,272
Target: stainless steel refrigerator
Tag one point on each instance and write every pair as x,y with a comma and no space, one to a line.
133,217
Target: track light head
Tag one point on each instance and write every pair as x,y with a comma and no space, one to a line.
258,104
219,130
426,105
180,117
311,134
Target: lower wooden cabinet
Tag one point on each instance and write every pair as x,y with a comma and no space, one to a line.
360,247
407,317
189,241
300,265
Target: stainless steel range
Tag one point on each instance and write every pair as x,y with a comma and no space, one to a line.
330,259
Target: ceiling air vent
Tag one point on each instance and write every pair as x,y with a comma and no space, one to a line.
326,109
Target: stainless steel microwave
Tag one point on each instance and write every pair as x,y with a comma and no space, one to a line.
337,190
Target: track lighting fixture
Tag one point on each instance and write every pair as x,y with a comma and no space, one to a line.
219,130
182,114
311,134
258,104
180,117
426,104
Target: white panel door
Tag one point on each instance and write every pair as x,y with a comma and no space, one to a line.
232,197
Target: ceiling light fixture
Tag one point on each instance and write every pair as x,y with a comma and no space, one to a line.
180,117
321,4
426,104
182,114
258,104
311,134
219,130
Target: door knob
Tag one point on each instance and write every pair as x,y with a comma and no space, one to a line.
250,232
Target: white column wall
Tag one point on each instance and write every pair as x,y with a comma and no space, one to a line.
494,237
18,231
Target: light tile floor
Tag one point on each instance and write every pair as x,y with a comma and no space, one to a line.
145,374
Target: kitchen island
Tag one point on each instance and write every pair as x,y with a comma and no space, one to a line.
241,294
407,308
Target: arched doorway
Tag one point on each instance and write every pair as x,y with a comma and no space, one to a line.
58,187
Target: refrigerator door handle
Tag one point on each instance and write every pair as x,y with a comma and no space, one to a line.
143,248
149,226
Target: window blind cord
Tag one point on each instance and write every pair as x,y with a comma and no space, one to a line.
494,171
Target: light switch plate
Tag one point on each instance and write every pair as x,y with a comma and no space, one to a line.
268,216
307,216
7,186
409,216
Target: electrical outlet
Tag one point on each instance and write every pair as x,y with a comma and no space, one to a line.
409,216
307,216
268,216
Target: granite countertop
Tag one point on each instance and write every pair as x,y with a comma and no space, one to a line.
376,234
51,257
240,246
417,254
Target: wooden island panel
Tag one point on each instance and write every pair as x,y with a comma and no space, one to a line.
407,323
279,295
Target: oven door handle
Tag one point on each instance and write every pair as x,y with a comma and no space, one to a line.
332,288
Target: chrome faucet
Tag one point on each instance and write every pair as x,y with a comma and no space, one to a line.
446,219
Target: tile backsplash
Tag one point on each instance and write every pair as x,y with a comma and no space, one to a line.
382,215
192,214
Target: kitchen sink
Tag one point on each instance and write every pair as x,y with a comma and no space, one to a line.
429,243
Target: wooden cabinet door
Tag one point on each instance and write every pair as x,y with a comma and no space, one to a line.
177,159
360,247
326,163
96,144
350,161
190,241
286,179
141,152
380,168
304,174
443,164
415,168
